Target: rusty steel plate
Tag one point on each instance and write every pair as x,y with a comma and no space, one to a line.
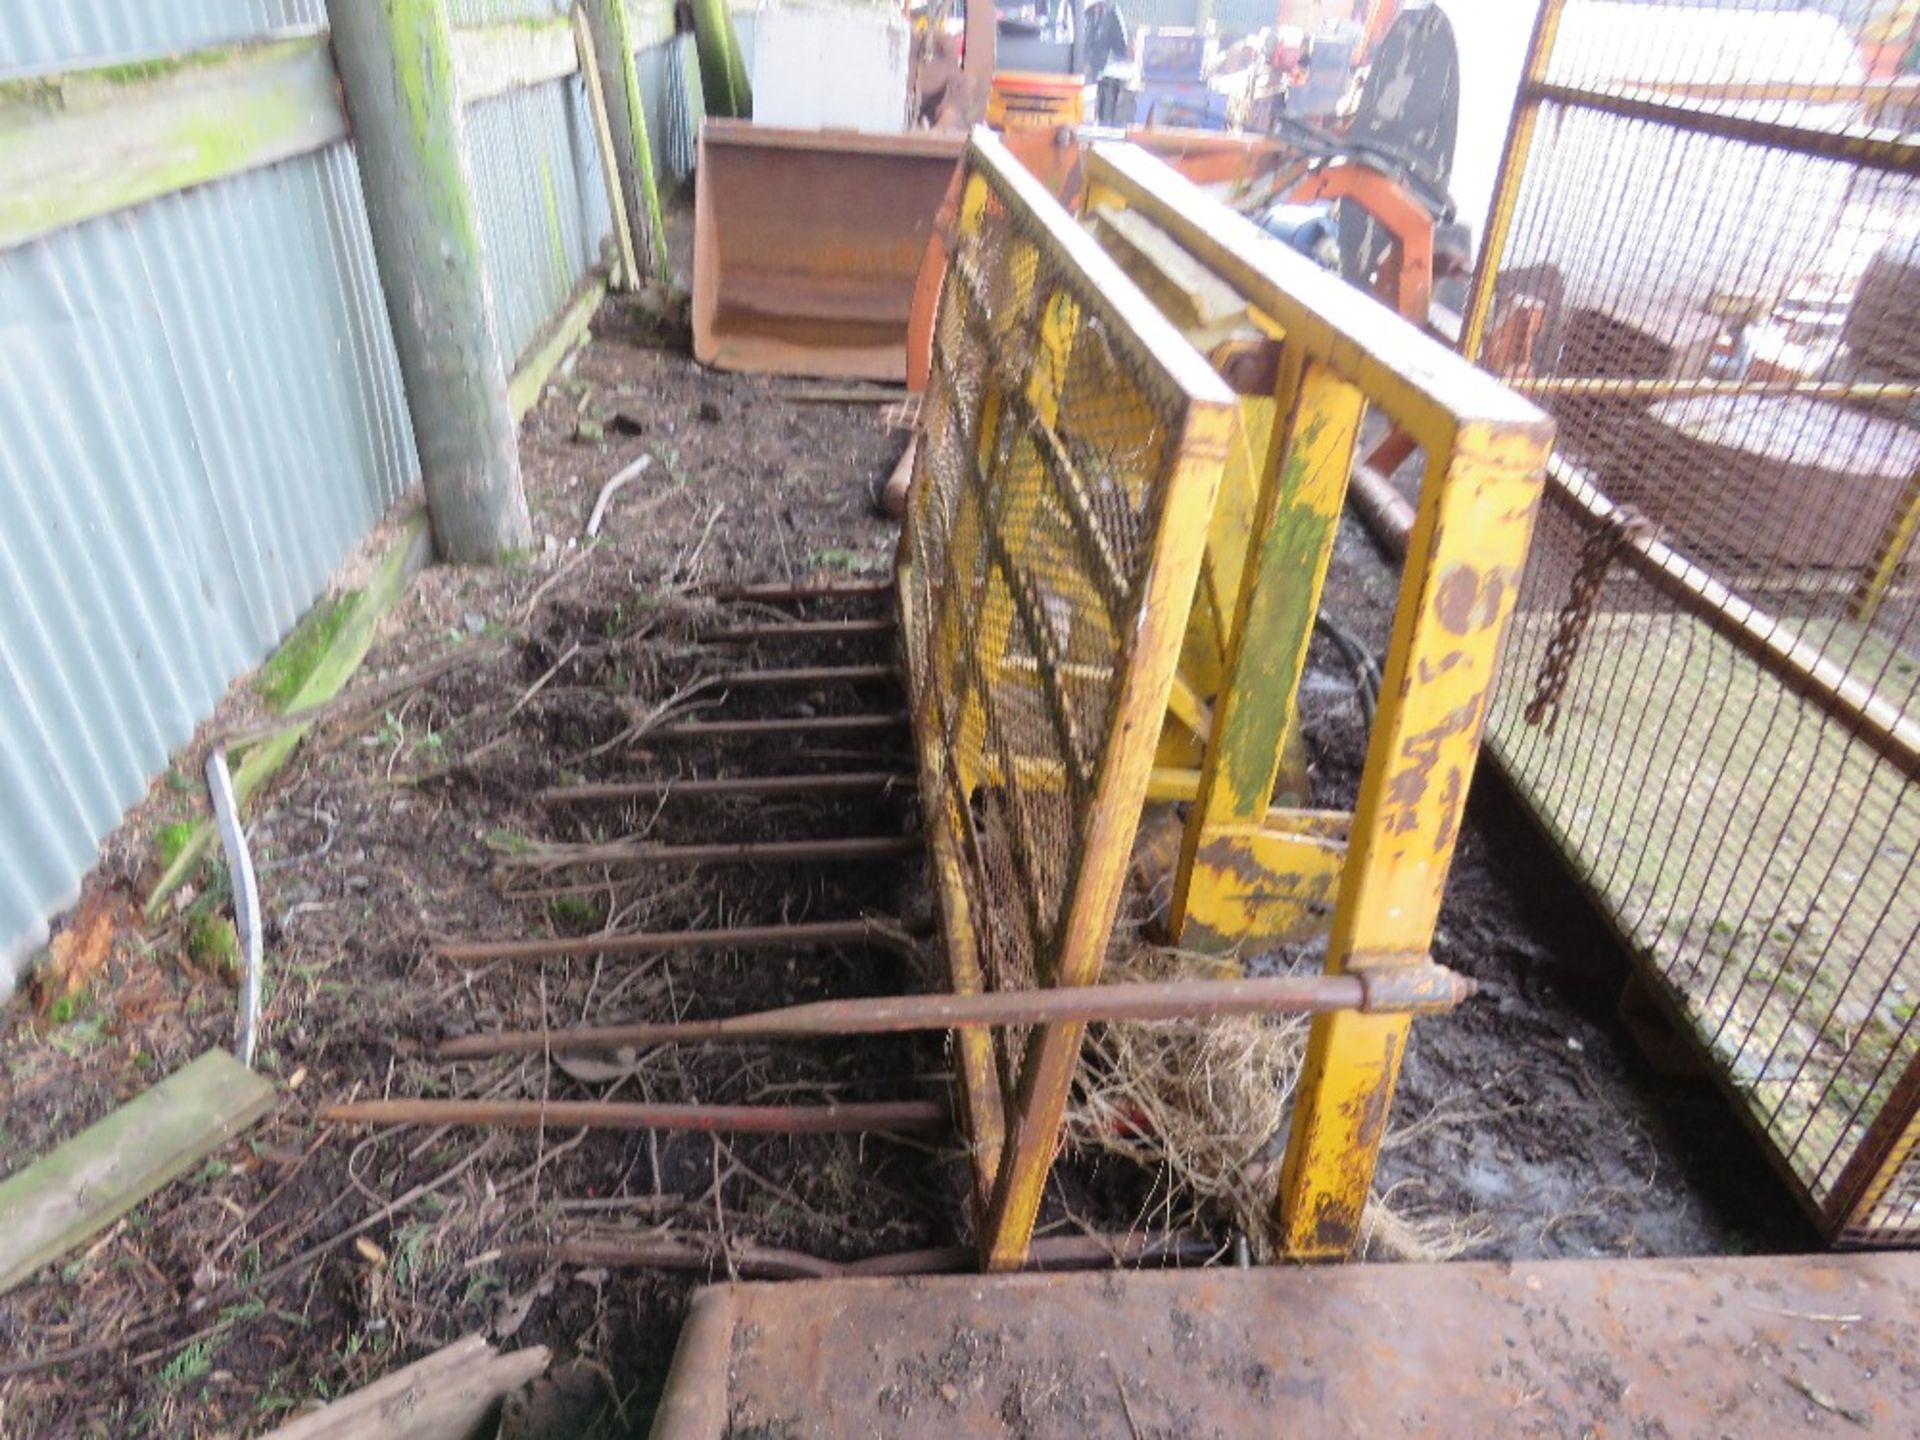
1748,1347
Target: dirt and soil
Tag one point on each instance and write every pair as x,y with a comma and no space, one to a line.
306,1260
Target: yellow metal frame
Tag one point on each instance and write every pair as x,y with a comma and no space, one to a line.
1370,882
958,662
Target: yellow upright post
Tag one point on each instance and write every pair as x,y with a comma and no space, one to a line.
1464,559
1219,898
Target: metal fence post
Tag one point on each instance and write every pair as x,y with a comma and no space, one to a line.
1506,189
627,116
395,59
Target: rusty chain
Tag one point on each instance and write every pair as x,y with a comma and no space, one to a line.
1597,554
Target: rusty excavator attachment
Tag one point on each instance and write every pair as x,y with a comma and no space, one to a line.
807,244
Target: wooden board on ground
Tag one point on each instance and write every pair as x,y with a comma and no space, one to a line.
106,1170
449,1395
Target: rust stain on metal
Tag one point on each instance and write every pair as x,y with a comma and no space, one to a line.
1407,786
1727,1346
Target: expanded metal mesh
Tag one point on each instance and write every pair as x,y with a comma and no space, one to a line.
1712,280
1050,431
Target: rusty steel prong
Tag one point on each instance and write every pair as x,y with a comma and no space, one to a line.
660,942
844,782
1419,988
801,675
762,729
744,852
849,1119
797,630
768,594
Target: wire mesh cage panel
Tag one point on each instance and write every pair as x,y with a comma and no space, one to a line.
1072,448
1704,260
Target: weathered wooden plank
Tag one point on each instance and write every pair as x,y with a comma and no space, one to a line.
627,116
490,60
86,143
628,277
106,1170
450,1395
545,354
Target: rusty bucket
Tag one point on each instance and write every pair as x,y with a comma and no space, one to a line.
806,246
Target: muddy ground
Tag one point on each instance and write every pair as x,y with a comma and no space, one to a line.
308,1259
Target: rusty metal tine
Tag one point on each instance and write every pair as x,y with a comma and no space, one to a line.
1405,991
662,942
844,782
765,1262
797,630
799,725
770,594
849,1119
743,852
802,675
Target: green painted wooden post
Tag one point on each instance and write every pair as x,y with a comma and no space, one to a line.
723,72
633,151
396,64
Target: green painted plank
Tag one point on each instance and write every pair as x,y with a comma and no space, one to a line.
490,60
86,143
359,616
106,1170
523,391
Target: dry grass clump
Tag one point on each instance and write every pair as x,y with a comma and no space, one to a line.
1206,1105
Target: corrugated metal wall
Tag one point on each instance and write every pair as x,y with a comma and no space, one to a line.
200,413
542,202
535,163
59,34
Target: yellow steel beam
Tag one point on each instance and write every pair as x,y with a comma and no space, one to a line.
1464,561
1418,382
1293,532
1264,886
1506,188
